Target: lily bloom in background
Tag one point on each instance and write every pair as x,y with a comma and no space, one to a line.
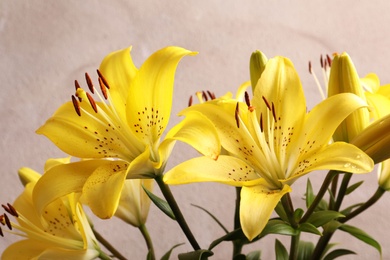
272,141
62,231
120,135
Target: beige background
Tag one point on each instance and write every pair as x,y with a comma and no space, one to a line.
46,45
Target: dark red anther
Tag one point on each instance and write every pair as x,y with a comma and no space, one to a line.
321,61
248,102
89,83
236,115
261,122
103,79
103,88
1,232
7,221
310,67
12,210
211,95
204,96
190,101
6,208
92,102
329,60
266,103
76,105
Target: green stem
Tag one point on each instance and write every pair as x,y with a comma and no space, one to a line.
294,246
343,189
321,245
166,191
148,240
237,245
333,189
107,245
374,198
319,196
289,208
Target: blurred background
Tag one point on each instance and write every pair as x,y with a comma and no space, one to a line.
46,45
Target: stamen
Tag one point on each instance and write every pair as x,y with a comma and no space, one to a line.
76,105
13,210
6,208
103,79
248,102
329,60
211,95
273,111
310,67
321,61
261,122
190,101
266,103
103,88
1,232
89,83
92,102
7,222
204,96
236,115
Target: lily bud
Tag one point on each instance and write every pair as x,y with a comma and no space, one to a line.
134,203
345,79
256,67
375,140
384,175
27,175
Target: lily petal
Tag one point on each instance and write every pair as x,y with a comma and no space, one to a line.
339,156
119,70
195,130
102,190
227,169
86,136
150,93
62,180
257,205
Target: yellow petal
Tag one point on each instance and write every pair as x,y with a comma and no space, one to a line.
197,131
142,167
86,136
134,203
150,95
280,85
102,190
257,205
62,180
227,169
339,156
370,82
321,123
379,105
119,71
27,175
24,249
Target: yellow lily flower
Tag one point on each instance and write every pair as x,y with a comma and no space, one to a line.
272,141
344,78
121,134
62,231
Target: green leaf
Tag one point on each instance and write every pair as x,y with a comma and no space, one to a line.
213,217
298,213
201,254
254,255
338,252
309,228
361,235
280,251
277,226
349,209
168,254
305,250
320,218
160,203
309,194
353,187
281,212
234,235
